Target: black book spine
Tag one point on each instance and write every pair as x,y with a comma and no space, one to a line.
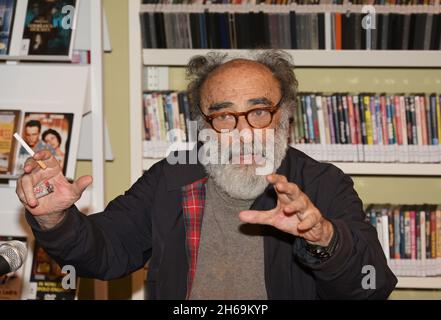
379,30
335,119
246,26
162,30
321,30
412,29
292,21
419,31
144,21
266,29
209,30
194,27
341,120
345,32
239,30
436,32
362,119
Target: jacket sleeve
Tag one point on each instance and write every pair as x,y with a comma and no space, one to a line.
109,244
358,269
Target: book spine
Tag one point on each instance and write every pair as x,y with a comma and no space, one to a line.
428,235
413,235
407,235
438,232
398,120
433,248
369,129
397,237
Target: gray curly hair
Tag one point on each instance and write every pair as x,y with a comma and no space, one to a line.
278,62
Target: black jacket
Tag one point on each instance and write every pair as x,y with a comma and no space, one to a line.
146,223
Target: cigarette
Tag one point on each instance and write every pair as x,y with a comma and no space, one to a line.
29,150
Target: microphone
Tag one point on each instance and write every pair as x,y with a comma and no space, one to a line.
12,256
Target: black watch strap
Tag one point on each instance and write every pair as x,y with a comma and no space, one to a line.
324,253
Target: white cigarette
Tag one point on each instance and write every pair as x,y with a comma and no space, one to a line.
29,150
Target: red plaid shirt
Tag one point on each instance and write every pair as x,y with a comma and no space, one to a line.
193,203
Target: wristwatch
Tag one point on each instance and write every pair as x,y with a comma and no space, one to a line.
321,252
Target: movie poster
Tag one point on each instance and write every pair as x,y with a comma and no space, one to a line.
51,131
8,126
11,285
46,278
48,27
7,9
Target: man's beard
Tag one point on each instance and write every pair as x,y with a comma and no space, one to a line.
240,181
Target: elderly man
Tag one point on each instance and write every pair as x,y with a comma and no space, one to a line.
218,230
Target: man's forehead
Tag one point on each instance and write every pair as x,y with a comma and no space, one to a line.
239,77
233,67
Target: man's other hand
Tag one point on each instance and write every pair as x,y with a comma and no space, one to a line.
52,206
294,213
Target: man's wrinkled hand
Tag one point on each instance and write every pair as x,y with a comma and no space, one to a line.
294,213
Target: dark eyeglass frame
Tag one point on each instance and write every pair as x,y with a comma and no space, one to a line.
209,118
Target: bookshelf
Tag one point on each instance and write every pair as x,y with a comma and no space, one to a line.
80,91
400,62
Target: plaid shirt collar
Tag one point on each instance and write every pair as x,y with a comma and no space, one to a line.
193,204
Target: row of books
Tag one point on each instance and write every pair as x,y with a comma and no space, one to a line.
328,127
410,236
46,27
41,281
40,131
285,2
166,122
164,112
289,30
368,127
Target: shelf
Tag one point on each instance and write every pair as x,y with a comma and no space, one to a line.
148,162
361,168
390,169
419,282
312,58
12,211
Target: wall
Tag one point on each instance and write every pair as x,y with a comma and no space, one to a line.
116,106
371,189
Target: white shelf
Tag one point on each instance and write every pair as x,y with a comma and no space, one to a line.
12,211
148,162
311,58
419,282
382,169
351,168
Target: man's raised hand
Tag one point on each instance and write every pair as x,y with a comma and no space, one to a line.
65,193
294,213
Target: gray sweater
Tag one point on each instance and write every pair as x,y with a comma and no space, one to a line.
230,258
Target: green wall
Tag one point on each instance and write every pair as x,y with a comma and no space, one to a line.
116,108
371,189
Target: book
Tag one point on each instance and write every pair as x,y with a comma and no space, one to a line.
11,285
9,120
48,27
7,9
50,131
46,278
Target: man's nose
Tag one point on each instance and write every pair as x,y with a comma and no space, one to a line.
247,135
242,124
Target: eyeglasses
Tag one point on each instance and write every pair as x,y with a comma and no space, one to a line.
257,118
